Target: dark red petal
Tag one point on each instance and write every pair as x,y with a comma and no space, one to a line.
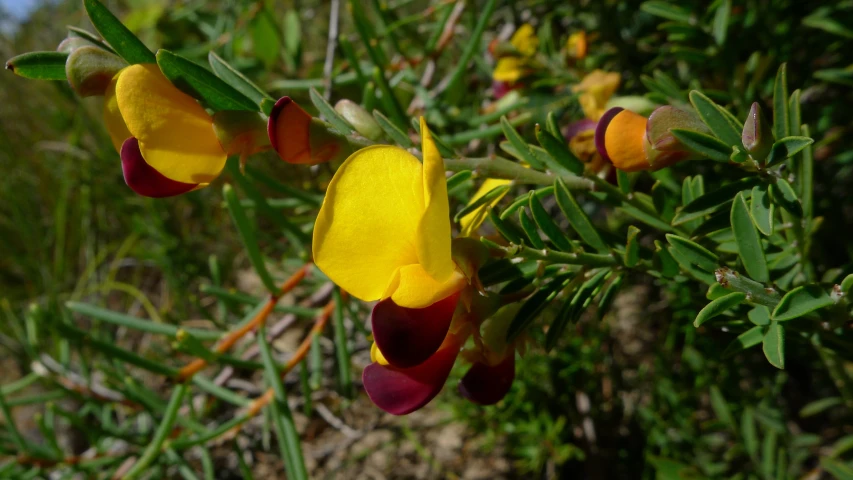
271,123
408,336
487,385
576,128
400,391
601,128
143,178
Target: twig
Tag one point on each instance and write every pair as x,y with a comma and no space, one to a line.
335,7
196,365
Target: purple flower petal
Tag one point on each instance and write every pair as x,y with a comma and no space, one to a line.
487,385
408,336
400,391
145,179
600,130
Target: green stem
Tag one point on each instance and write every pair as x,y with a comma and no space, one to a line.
156,446
553,256
502,168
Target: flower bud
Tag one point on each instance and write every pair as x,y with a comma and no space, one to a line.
72,43
620,139
661,147
90,69
240,132
757,134
362,121
299,138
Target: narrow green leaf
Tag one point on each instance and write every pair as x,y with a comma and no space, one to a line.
805,176
768,454
564,161
664,262
486,199
552,127
703,144
632,247
122,40
200,83
712,201
721,21
784,195
786,148
329,112
472,45
140,324
721,408
530,228
608,296
801,301
247,235
537,302
843,445
578,219
694,253
774,345
795,114
393,131
718,120
571,310
749,245
458,179
781,119
818,406
749,432
236,79
847,284
837,468
667,10
648,219
389,99
155,447
82,33
520,145
745,340
506,228
761,210
548,227
39,65
718,307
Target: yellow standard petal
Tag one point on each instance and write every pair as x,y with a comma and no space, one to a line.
367,227
433,240
525,40
472,221
596,89
112,116
509,69
175,133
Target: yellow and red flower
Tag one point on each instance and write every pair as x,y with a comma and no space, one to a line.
299,138
166,139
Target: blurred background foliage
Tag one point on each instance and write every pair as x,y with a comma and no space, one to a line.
642,394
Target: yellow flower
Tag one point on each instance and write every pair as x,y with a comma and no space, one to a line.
166,139
472,221
595,90
576,45
525,40
384,228
511,68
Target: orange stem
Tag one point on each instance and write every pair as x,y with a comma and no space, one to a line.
229,340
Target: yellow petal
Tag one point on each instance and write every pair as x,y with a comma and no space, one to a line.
433,240
112,117
508,69
413,287
472,221
577,45
175,133
525,40
376,355
367,227
596,89
624,141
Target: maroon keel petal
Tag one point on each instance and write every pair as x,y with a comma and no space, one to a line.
400,391
143,178
601,128
487,385
408,336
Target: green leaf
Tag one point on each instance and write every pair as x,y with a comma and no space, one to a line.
768,454
783,194
721,408
579,221
266,39
828,24
774,345
608,296
563,160
703,144
847,284
328,111
200,83
818,406
389,99
720,121
547,225
718,307
761,209
760,315
486,199
837,468
233,77
749,245
801,301
520,145
458,179
712,201
247,235
154,448
122,40
534,305
749,431
571,310
82,33
39,65
632,247
721,21
530,229
140,324
472,45
393,131
664,262
552,127
694,253
787,147
666,10
781,119
506,228
745,340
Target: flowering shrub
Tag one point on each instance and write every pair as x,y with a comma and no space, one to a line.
699,190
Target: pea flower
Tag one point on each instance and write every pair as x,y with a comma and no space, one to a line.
383,233
595,90
299,138
511,67
165,138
